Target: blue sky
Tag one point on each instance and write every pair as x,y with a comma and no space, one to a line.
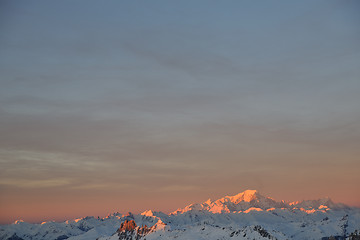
199,99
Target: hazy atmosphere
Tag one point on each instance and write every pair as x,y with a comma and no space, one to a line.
126,106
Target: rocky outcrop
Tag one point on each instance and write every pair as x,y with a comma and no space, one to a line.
130,231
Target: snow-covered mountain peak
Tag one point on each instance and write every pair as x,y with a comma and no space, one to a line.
251,200
148,213
239,202
322,203
18,221
246,196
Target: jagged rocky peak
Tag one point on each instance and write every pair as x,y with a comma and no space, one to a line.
127,226
129,230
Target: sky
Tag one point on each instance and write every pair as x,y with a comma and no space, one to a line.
118,106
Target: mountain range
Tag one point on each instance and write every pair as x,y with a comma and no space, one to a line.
247,215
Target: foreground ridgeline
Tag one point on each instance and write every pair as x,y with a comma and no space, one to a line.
247,215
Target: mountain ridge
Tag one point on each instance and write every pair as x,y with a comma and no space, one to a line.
246,215
243,201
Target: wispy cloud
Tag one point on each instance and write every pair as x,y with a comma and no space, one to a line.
31,183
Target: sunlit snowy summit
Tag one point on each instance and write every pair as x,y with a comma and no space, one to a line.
247,215
252,200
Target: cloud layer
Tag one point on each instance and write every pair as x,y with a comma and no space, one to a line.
122,102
